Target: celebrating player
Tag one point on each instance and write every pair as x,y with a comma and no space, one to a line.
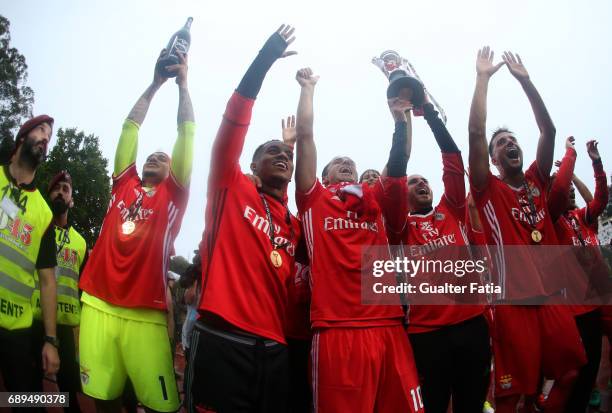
439,332
239,357
361,358
529,339
578,227
123,321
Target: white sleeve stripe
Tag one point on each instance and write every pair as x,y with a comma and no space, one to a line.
500,258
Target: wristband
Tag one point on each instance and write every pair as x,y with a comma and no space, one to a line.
53,341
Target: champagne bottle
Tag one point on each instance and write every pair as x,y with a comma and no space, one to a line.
179,43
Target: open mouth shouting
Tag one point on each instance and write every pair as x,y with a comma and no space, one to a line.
345,170
513,153
282,165
422,189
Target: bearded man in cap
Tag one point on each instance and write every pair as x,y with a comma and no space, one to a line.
27,244
71,258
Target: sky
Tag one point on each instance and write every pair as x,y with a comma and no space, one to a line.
88,62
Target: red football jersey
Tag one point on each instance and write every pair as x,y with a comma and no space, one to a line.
573,227
444,226
334,237
129,270
504,213
239,281
298,291
474,236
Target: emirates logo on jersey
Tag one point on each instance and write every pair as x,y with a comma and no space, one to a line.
351,222
432,236
143,214
521,214
262,224
588,241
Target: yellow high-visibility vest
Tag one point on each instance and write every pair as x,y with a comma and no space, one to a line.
71,253
21,232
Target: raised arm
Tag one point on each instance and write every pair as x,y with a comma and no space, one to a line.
454,183
479,154
546,143
125,155
306,154
403,126
182,154
443,137
401,145
600,200
390,191
289,132
559,191
474,218
229,141
582,189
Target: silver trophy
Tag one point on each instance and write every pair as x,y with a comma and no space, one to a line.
401,75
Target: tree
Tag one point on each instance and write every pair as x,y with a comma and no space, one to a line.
16,98
80,155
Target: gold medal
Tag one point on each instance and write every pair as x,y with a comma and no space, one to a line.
536,235
128,227
276,258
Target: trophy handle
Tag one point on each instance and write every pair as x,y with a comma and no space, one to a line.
379,63
429,95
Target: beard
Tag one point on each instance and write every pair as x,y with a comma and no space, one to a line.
31,155
58,206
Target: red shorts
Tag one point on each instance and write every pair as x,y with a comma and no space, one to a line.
364,370
582,309
533,341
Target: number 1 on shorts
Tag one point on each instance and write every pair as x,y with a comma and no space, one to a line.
162,382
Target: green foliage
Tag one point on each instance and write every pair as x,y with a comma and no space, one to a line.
80,155
16,98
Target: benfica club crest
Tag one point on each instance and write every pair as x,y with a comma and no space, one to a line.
505,381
